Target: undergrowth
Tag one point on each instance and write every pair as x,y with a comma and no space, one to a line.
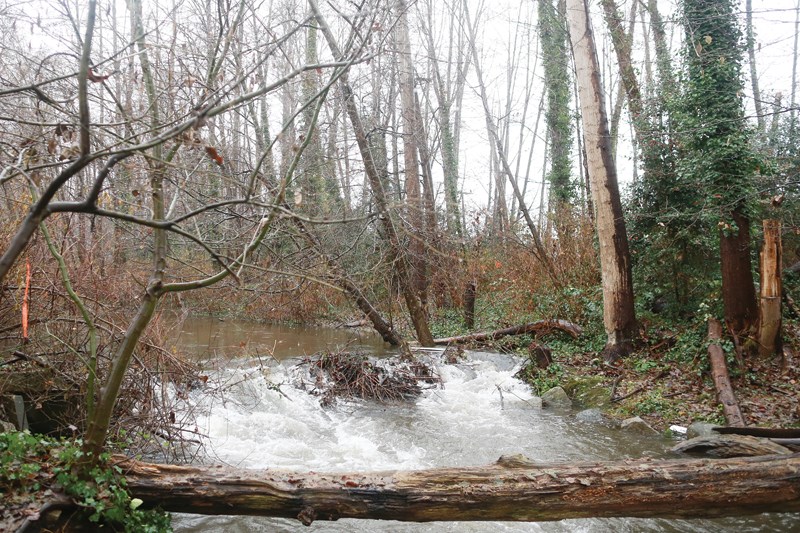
36,470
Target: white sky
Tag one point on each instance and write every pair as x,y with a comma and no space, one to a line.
774,26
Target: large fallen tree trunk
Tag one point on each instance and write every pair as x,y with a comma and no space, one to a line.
539,327
513,488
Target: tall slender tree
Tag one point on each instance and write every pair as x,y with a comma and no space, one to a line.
751,52
415,211
619,316
554,38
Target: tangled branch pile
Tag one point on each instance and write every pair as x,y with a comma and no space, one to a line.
346,376
44,363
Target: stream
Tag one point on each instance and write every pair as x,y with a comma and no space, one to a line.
481,413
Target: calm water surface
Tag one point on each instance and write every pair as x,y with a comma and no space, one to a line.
207,337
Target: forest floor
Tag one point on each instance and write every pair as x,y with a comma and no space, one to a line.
667,381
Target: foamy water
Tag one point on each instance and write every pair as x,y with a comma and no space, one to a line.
481,413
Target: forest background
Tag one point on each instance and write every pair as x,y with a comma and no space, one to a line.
422,166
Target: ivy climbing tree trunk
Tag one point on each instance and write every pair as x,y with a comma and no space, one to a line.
619,316
553,36
718,155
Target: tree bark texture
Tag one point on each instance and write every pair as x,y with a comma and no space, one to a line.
719,373
414,207
618,312
738,288
470,294
540,327
769,327
751,54
514,488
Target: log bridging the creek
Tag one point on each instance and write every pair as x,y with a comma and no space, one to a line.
514,488
540,327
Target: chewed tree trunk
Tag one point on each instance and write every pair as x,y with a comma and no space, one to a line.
769,325
619,316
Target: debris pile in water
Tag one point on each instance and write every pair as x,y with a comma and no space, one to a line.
350,376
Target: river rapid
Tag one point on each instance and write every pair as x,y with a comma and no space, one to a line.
261,420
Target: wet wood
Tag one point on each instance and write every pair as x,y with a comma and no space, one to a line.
722,381
514,488
731,446
540,327
769,433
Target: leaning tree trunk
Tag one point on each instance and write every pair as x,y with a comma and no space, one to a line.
619,316
540,327
398,255
513,488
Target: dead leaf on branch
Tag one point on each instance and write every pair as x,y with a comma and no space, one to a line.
96,78
213,154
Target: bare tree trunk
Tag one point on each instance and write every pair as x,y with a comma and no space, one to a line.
448,89
539,248
648,56
514,488
618,311
793,98
751,51
769,327
622,45
97,425
470,294
617,113
413,198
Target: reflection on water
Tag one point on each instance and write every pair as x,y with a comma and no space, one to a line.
206,337
481,413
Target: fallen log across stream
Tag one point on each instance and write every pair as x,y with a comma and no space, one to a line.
514,489
540,327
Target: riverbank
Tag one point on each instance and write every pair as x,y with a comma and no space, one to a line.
667,380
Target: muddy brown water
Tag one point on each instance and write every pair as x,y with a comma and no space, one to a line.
206,337
481,413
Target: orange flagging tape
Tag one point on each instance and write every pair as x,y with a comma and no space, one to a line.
26,299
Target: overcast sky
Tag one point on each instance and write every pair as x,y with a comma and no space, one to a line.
774,24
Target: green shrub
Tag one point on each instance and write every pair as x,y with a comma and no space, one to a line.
32,466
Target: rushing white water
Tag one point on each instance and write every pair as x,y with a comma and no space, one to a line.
481,413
